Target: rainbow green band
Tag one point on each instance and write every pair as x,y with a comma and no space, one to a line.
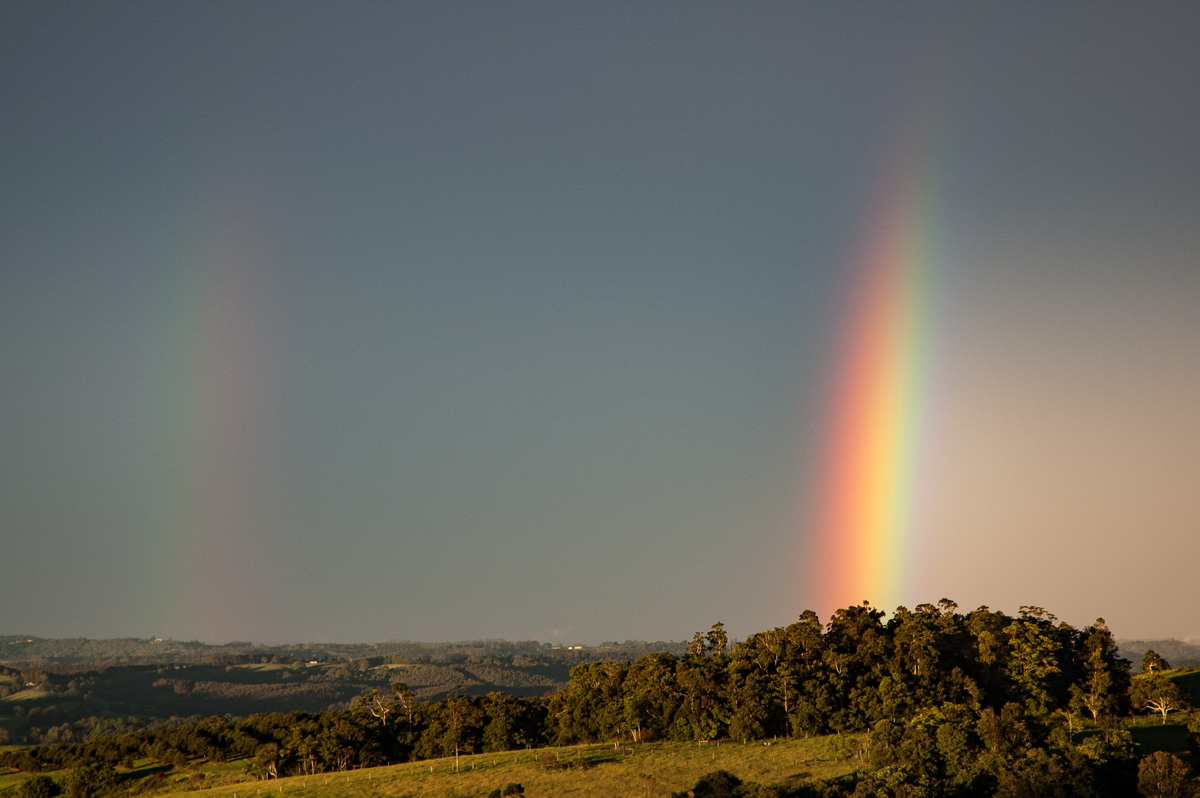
874,423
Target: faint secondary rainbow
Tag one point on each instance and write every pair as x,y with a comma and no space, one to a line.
213,409
874,421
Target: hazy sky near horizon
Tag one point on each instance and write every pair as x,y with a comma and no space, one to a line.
438,321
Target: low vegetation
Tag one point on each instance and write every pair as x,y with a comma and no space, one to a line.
599,771
932,702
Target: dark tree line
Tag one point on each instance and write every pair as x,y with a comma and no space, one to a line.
810,679
376,731
947,704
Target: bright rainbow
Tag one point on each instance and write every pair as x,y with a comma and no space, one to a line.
869,479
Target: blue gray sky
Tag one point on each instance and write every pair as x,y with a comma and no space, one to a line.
363,321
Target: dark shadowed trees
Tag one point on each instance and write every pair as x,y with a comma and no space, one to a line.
1151,661
1163,775
1104,678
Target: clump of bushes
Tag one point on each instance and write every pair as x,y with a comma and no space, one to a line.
39,787
723,784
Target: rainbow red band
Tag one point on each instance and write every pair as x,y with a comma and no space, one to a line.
865,509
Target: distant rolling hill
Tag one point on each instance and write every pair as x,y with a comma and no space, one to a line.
181,690
46,683
1176,652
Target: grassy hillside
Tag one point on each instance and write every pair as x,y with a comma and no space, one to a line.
599,771
593,771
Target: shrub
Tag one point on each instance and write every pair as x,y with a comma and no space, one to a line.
1163,775
550,761
718,784
38,787
91,780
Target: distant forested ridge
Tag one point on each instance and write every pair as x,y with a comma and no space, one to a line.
1178,652
27,650
54,690
932,702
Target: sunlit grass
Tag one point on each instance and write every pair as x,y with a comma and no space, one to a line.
28,694
650,770
593,771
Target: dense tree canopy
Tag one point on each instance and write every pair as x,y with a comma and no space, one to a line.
944,704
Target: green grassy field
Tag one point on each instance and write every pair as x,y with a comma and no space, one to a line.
1151,734
592,771
28,694
1189,680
